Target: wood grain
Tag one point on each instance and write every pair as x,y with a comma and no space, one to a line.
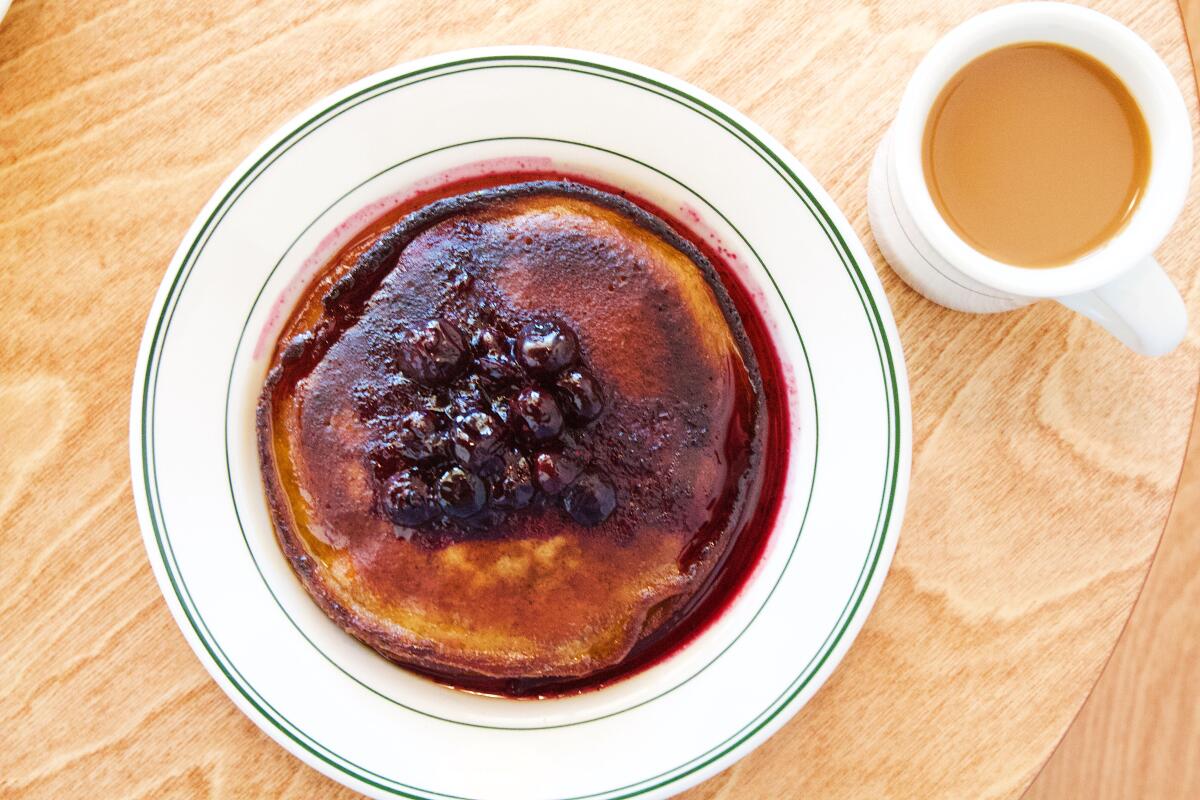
1046,456
1138,733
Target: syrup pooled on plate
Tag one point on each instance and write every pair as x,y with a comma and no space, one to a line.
523,437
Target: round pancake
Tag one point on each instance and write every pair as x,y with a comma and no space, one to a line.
532,594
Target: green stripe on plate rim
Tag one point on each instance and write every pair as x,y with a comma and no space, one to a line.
229,467
678,96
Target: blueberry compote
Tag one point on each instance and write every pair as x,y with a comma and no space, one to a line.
482,418
495,409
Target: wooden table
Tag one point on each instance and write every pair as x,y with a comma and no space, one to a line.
1046,457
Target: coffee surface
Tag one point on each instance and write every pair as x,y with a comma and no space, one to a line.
1036,154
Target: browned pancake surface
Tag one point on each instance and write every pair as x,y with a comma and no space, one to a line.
535,594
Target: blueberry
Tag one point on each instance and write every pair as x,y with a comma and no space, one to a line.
417,437
590,499
554,472
460,493
545,346
468,395
502,410
476,439
384,456
499,369
536,415
433,354
580,394
489,342
493,357
513,486
407,499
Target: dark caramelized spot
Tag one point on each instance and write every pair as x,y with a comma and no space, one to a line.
460,493
434,354
555,472
535,415
590,499
580,393
545,346
407,499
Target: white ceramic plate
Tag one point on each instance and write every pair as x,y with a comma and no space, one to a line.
334,703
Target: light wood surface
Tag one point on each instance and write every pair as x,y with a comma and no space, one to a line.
1045,462
1138,734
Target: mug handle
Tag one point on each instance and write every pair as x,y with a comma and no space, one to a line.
1142,308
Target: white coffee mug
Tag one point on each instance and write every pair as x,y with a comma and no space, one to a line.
1119,285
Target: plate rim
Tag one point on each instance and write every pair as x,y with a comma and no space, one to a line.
233,378
833,224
